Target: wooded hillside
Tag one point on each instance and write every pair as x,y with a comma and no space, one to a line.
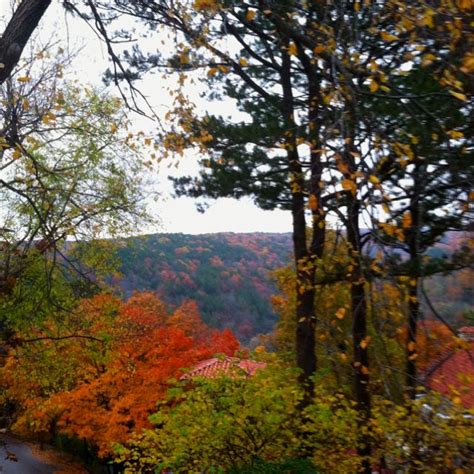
230,276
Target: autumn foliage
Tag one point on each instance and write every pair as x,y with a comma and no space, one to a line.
105,402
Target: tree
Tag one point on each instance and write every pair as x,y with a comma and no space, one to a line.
70,174
69,349
324,74
317,68
99,374
429,192
18,31
262,59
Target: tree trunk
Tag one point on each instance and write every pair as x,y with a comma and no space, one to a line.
305,319
17,33
358,296
413,284
359,334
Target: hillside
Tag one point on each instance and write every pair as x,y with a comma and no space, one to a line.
227,274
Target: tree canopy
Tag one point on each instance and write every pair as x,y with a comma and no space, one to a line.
356,117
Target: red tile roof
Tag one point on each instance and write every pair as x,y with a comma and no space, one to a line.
467,333
452,374
215,367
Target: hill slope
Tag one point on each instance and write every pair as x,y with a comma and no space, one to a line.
227,274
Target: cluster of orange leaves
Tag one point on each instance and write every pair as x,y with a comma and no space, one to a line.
149,348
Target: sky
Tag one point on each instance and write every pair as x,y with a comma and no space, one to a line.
173,214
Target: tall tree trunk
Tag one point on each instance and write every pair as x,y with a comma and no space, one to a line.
358,295
411,349
413,238
359,333
24,21
305,319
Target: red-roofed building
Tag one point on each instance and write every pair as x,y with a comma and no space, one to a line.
215,367
452,374
466,333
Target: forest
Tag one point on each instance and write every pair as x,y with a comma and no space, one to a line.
345,345
233,277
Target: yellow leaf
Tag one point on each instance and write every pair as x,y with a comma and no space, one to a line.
458,95
250,15
400,235
364,370
374,267
23,79
205,4
243,62
292,49
411,346
406,220
319,49
327,98
468,63
428,59
387,36
455,134
343,356
428,18
349,185
313,202
373,85
465,4
212,71
25,104
373,179
341,313
48,118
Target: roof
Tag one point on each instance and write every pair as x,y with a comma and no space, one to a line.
466,330
452,374
215,367
466,333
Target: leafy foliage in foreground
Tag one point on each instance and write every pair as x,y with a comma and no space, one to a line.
251,425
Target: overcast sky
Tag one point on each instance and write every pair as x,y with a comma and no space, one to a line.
176,215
